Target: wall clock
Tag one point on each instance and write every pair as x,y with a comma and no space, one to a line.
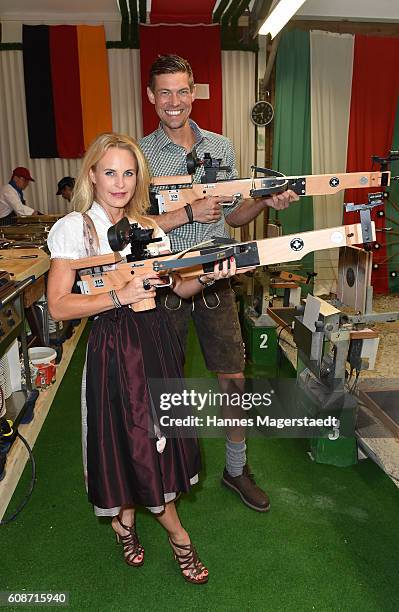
262,113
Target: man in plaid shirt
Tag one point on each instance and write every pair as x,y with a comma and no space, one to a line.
171,89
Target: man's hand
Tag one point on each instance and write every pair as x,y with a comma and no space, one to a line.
209,210
280,201
248,209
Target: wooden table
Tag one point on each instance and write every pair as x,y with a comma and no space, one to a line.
38,219
15,263
10,260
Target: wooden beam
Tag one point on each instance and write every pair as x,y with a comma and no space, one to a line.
259,12
347,27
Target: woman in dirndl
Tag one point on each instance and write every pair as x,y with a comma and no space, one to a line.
127,462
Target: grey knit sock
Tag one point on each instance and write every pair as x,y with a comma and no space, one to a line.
235,457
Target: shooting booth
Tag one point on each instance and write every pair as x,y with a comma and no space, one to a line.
314,110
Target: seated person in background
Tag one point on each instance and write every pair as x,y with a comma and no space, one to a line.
65,187
12,201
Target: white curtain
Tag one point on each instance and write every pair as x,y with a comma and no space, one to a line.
125,84
331,58
124,65
238,80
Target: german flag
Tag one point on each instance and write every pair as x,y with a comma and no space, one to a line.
67,91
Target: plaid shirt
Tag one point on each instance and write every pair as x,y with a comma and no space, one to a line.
165,158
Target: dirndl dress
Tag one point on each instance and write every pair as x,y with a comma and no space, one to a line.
124,467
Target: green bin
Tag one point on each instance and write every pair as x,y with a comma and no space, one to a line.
260,341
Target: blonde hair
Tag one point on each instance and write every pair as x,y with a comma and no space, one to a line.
84,190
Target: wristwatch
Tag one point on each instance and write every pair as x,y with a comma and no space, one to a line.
206,283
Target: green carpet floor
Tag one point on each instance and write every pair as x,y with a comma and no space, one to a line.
329,543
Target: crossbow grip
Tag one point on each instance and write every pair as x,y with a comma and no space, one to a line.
147,304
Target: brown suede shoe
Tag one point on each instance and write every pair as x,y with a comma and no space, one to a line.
247,489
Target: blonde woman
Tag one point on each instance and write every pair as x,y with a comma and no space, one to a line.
124,466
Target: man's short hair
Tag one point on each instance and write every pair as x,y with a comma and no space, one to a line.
170,64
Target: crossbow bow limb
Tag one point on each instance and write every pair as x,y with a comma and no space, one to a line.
174,192
103,273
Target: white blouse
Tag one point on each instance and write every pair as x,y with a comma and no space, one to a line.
65,239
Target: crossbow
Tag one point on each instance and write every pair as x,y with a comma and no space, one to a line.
103,273
174,192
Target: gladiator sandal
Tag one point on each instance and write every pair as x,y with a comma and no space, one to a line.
132,548
188,560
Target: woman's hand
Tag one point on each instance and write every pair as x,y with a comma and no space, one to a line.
134,291
187,288
228,269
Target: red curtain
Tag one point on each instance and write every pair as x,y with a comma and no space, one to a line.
200,45
181,11
375,90
66,91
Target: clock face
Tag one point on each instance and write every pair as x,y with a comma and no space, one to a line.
262,113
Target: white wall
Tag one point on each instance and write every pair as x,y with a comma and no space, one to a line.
354,10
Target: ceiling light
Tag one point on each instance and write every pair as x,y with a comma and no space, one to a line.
280,14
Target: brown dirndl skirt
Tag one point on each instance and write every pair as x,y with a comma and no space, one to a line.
126,348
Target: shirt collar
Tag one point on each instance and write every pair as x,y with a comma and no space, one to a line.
163,139
19,191
98,210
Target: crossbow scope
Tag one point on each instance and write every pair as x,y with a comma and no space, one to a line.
124,233
211,165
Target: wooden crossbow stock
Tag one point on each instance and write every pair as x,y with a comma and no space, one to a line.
174,192
103,273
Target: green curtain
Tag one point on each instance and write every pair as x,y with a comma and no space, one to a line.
392,212
292,135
